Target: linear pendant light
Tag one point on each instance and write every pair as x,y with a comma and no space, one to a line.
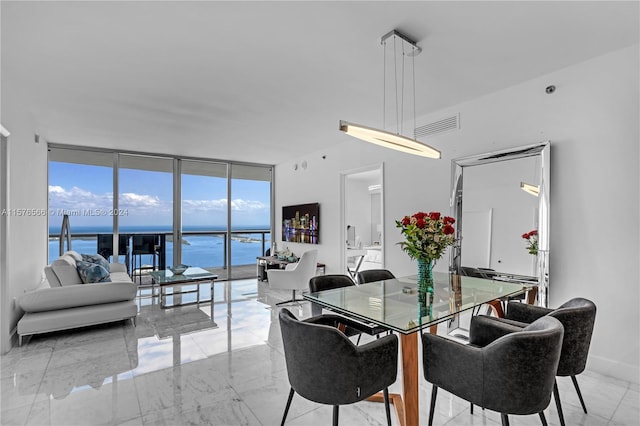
389,140
382,137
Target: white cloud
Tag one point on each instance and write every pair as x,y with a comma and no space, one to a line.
130,200
78,198
247,205
194,206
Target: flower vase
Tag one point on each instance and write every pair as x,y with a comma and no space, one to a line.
425,275
425,287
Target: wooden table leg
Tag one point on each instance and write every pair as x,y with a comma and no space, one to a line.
406,405
409,344
496,308
531,295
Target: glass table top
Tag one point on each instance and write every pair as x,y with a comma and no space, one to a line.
394,303
165,276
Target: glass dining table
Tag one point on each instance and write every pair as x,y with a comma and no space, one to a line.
394,305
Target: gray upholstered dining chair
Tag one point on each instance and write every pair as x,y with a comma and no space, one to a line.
578,316
371,275
324,366
348,326
327,282
511,372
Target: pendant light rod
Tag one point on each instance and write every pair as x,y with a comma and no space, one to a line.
416,49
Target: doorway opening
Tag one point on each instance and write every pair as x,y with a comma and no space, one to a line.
363,219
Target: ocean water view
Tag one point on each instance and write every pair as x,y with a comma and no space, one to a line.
197,250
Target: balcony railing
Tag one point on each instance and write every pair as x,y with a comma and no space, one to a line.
206,249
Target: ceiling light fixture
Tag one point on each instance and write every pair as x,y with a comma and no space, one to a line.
382,137
530,189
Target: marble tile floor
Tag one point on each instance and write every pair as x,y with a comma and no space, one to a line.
177,367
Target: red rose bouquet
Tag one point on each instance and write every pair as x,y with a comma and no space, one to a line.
427,235
532,241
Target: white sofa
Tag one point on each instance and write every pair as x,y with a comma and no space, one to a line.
64,301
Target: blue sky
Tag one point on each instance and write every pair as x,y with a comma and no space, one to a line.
146,197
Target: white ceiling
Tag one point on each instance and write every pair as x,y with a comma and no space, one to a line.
269,81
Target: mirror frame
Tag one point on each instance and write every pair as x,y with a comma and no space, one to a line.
543,150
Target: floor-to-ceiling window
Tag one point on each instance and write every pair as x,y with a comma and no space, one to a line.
250,213
81,187
182,200
204,215
145,199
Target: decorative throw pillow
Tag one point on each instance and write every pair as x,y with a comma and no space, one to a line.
97,259
92,273
74,254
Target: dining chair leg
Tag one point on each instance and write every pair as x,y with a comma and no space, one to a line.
505,419
286,409
543,419
387,409
335,415
556,396
575,384
434,393
471,408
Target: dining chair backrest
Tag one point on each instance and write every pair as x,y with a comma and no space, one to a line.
105,245
578,317
513,374
144,244
327,282
324,366
371,275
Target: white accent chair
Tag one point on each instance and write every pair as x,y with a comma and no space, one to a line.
295,276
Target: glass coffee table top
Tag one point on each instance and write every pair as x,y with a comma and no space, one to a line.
192,274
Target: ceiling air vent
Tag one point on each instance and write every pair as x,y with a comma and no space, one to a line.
443,125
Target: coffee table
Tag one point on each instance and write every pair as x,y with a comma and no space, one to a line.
192,276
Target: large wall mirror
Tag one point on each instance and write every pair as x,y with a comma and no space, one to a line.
497,198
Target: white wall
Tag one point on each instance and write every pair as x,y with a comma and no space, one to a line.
592,121
26,234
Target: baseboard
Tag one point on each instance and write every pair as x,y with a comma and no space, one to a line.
615,369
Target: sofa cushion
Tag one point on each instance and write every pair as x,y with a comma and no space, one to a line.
97,259
49,299
65,269
120,276
51,277
92,272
